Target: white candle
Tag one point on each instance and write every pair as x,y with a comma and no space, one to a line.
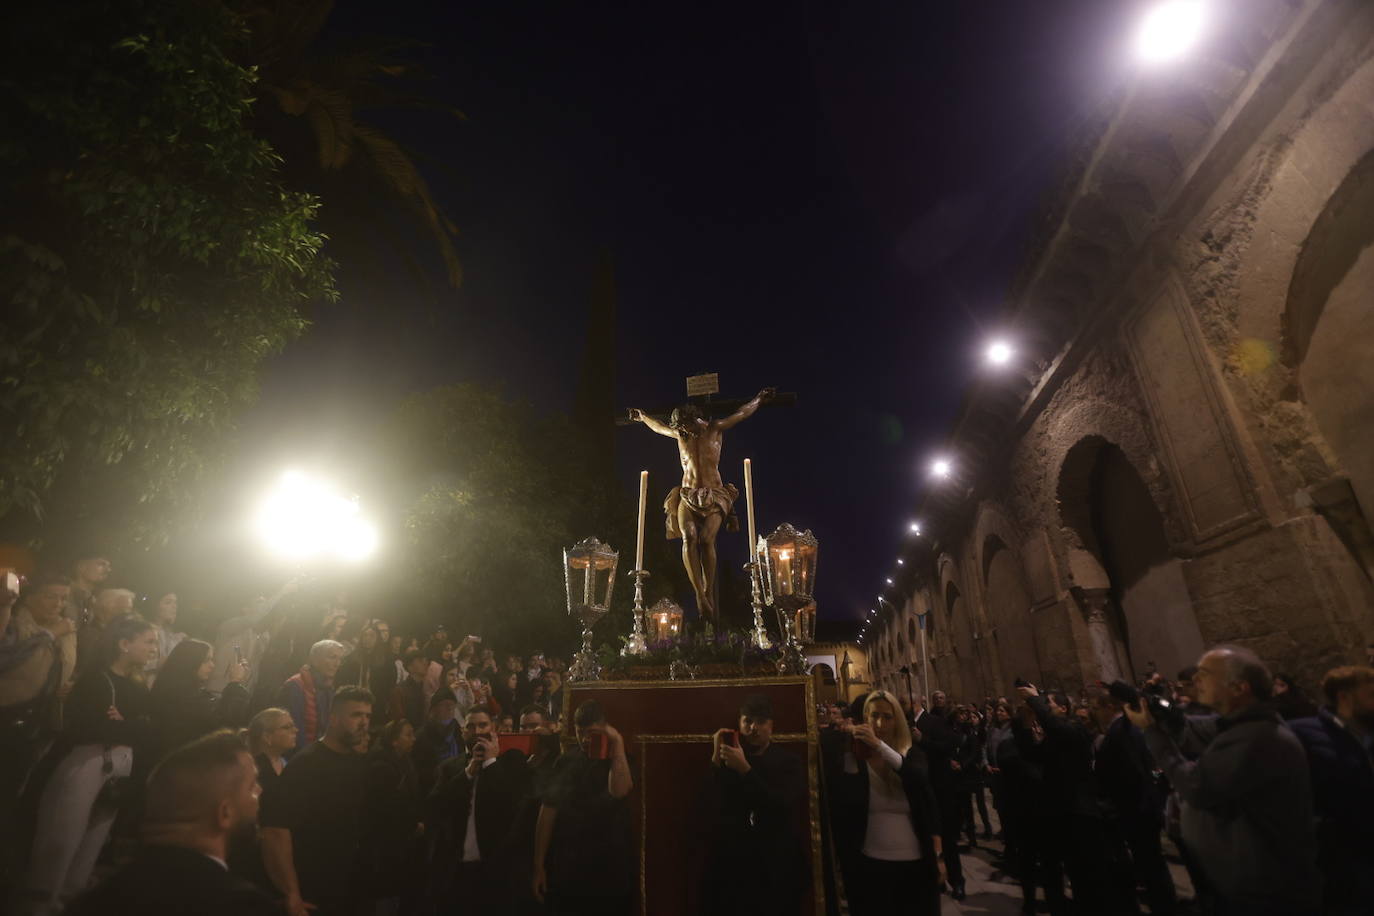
643,498
749,504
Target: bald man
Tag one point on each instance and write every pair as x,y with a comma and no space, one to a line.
199,797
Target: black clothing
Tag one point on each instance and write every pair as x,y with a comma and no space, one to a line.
171,881
374,670
407,701
757,862
846,783
591,852
939,745
1293,705
1135,801
435,744
891,888
501,788
390,851
85,714
318,798
1343,798
182,718
1038,862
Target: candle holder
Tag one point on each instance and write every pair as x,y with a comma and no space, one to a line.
789,558
586,601
665,620
755,570
636,644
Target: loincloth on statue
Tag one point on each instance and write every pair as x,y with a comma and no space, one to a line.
702,502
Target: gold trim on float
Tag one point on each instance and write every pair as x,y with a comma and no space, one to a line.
811,737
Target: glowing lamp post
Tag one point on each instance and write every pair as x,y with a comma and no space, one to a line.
589,577
789,577
304,518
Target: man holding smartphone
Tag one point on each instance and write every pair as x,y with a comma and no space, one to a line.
583,854
481,804
757,861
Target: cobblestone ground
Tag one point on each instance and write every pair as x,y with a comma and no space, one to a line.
992,892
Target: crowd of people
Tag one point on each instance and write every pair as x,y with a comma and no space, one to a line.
302,760
366,747
1267,797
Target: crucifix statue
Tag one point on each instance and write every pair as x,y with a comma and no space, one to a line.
704,502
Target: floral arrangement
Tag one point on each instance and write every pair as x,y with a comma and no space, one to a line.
725,653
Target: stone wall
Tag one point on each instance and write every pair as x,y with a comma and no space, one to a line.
1166,480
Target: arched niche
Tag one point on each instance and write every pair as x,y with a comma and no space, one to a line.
1008,605
1123,562
1329,327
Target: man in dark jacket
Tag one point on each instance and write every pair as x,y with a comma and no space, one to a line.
1337,741
1074,829
935,736
1247,801
1126,781
481,804
198,798
757,860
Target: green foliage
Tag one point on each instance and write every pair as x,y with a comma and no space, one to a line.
150,259
494,493
312,94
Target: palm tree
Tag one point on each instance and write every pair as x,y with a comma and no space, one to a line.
317,92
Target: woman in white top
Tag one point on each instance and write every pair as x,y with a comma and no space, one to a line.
885,820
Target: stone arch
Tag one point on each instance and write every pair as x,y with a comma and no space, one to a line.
1009,615
1329,327
1128,578
1309,222
962,676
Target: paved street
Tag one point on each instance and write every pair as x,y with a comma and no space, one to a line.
992,892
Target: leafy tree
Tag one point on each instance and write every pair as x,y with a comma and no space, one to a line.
312,94
150,259
494,492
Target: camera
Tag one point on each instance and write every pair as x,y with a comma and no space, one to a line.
1161,708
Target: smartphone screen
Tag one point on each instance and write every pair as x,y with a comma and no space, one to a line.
596,747
524,743
861,751
731,737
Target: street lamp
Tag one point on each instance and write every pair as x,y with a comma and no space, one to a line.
998,353
1169,30
940,467
586,567
304,518
914,528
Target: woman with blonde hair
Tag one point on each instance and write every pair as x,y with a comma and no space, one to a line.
886,822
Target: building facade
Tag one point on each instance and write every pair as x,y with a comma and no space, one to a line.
1185,454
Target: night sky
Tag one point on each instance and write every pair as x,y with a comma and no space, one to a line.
832,199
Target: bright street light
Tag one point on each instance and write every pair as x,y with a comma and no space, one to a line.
940,467
901,562
889,581
1169,30
914,527
999,353
304,517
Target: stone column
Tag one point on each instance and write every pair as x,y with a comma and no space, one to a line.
1093,603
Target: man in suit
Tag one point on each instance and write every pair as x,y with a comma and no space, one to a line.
1126,781
935,736
199,797
482,805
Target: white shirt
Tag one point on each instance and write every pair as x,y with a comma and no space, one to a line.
470,851
889,837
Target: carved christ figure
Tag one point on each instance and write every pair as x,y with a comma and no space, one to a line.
696,510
